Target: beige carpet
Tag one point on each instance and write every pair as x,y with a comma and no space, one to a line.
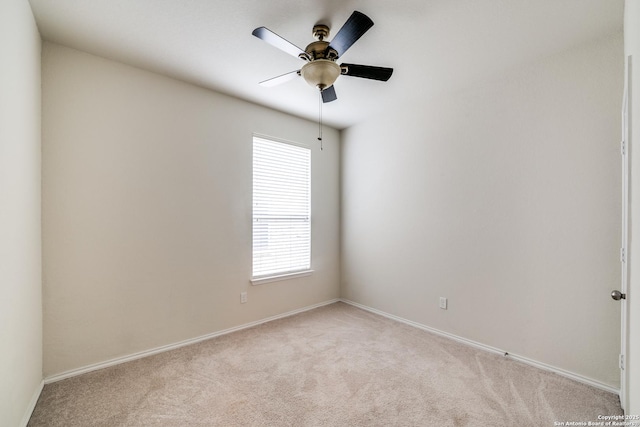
333,366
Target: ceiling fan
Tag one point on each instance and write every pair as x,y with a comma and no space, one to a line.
321,69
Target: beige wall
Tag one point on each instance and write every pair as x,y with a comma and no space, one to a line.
147,211
632,47
504,198
20,248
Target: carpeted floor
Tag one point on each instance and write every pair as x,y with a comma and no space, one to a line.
332,366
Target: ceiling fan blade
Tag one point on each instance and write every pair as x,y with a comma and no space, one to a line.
357,24
329,94
280,79
275,40
368,71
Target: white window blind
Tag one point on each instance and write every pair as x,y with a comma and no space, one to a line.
281,208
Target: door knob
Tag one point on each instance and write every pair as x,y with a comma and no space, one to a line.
617,295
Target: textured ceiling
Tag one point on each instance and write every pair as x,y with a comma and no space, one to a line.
434,46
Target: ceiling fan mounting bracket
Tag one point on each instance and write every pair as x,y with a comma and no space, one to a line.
320,32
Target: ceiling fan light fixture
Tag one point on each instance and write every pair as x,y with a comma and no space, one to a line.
320,73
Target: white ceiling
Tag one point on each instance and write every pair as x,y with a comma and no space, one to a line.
434,46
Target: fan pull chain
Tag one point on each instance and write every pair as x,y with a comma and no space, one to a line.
320,118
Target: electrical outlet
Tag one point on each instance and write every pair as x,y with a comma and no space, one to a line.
443,303
243,297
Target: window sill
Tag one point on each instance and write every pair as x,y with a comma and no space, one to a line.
267,279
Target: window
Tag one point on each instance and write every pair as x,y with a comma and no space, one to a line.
281,209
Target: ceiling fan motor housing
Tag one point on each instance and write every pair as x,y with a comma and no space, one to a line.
319,50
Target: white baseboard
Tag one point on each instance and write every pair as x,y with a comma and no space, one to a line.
32,405
535,363
139,355
162,349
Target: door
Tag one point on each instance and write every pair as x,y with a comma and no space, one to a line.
621,294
